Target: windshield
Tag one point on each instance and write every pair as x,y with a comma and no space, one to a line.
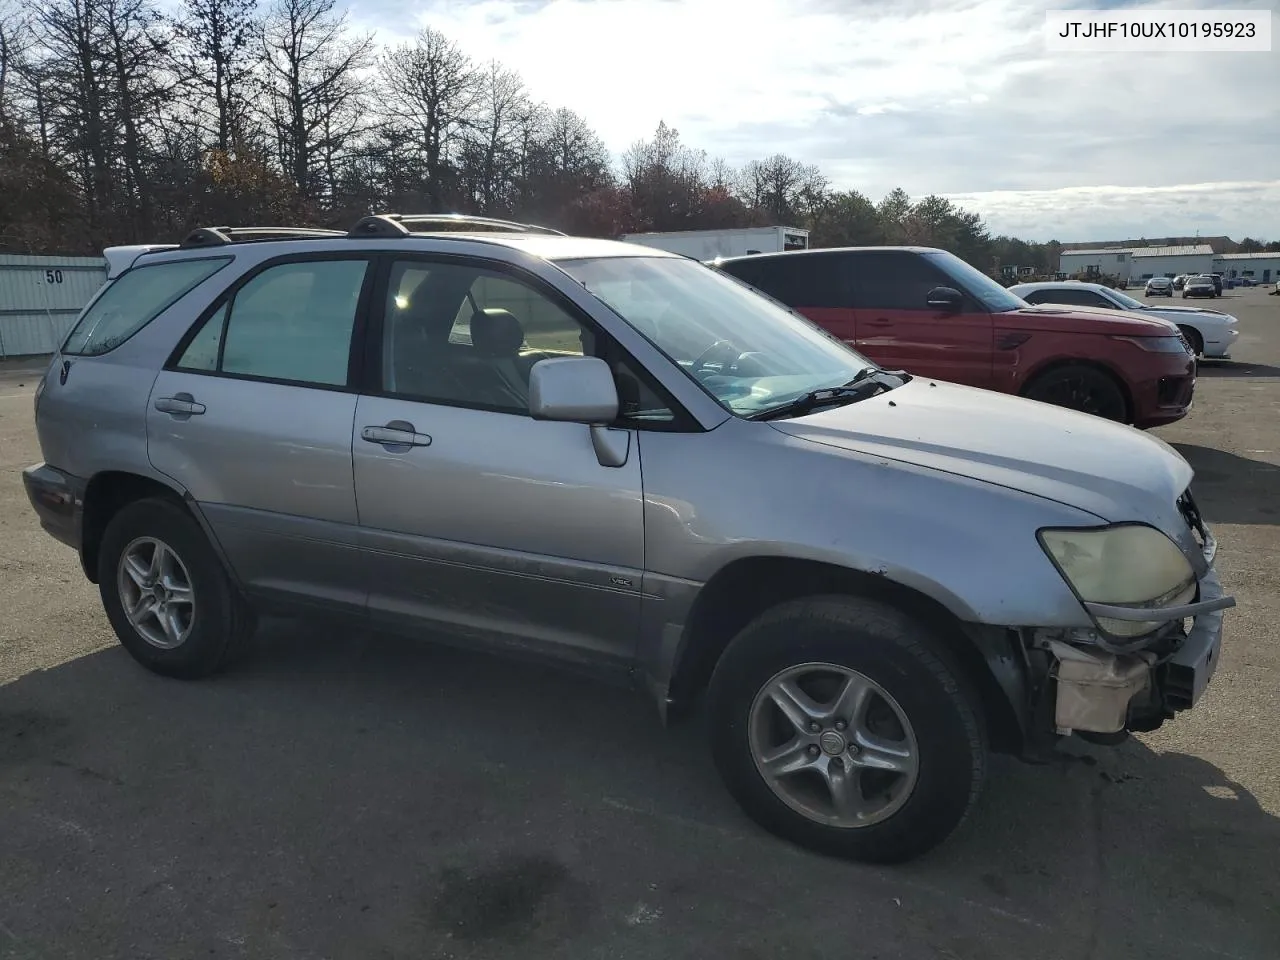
972,280
744,349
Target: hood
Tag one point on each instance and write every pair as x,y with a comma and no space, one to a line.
1121,323
1110,470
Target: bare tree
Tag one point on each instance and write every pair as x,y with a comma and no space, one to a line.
15,35
575,152
313,89
666,180
782,188
73,72
492,141
214,55
432,91
135,43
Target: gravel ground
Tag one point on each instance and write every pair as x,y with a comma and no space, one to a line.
355,796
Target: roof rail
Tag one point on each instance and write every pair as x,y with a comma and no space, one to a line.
221,236
407,224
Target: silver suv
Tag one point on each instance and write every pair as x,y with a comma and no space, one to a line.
609,455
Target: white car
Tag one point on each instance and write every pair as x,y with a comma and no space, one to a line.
1210,332
1159,287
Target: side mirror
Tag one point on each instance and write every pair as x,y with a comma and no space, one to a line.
945,298
573,389
581,390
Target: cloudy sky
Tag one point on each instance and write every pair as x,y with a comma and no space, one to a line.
958,97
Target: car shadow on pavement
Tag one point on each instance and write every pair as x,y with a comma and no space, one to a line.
1233,489
353,795
1235,369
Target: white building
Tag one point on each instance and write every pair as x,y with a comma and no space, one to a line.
1259,267
1151,262
1108,262
1138,263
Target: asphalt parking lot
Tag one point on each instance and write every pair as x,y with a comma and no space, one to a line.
355,796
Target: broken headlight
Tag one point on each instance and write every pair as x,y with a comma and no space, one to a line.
1130,565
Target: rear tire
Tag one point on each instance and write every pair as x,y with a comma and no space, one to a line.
902,757
1080,387
155,562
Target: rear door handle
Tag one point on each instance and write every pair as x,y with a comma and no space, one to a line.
180,404
880,322
397,433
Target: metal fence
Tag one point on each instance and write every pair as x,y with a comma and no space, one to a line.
40,298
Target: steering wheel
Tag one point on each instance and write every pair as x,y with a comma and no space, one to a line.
705,356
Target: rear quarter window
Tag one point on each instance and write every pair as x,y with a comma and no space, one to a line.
811,280
133,300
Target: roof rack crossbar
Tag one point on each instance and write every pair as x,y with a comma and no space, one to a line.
221,236
390,225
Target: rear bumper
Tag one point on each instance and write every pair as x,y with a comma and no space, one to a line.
58,500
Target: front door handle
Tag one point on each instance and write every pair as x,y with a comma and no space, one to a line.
880,322
397,433
180,405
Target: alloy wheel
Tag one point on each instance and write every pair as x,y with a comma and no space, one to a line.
156,592
833,745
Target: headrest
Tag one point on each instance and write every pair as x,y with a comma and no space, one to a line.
496,332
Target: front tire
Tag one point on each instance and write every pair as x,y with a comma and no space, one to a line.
1194,338
166,592
1083,388
840,724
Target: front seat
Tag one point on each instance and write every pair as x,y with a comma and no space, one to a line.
497,336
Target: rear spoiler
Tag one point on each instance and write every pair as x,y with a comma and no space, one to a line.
120,259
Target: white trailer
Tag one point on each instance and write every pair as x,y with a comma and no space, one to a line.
709,244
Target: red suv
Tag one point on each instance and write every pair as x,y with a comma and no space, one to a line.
930,313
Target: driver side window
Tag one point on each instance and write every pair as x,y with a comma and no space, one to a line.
470,336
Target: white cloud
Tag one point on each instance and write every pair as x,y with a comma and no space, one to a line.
954,96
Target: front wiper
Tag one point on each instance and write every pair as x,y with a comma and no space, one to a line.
867,383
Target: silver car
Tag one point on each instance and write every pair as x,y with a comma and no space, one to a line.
615,457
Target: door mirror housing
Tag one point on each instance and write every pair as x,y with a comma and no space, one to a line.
945,298
573,390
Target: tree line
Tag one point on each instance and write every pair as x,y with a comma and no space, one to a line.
122,123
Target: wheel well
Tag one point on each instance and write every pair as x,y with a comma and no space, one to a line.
105,495
747,588
1102,368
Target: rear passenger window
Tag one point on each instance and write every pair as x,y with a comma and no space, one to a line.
133,300
811,280
291,322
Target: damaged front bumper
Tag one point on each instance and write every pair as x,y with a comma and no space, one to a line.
1092,687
